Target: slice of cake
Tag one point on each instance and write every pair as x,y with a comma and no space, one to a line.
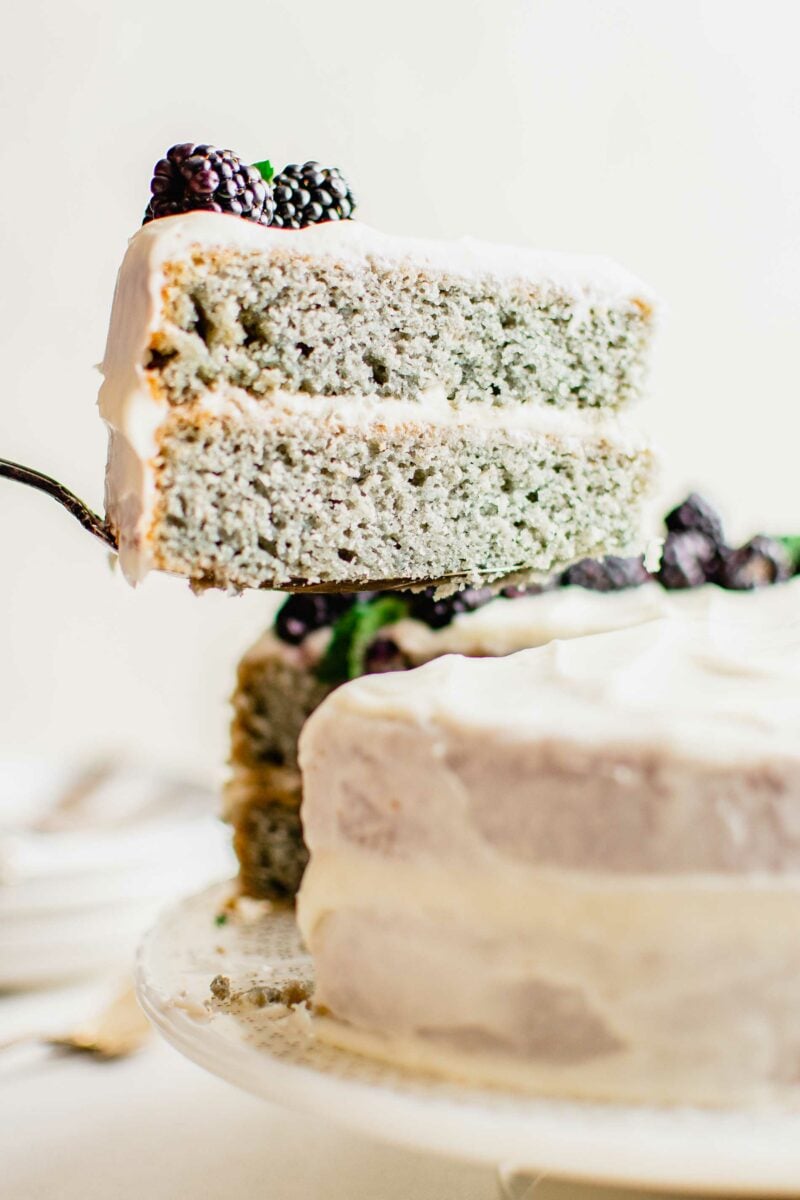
574,870
336,408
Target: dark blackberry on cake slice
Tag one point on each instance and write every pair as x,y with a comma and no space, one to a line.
202,178
309,194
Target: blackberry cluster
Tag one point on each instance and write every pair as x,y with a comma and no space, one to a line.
610,574
696,552
304,612
308,194
192,177
515,590
438,613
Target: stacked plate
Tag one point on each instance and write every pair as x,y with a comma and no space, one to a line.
88,858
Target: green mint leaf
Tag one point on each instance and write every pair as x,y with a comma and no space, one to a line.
792,547
265,169
221,919
352,634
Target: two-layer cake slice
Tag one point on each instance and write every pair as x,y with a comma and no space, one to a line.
335,407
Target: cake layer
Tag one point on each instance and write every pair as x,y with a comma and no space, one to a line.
340,324
667,748
459,795
247,500
341,308
364,326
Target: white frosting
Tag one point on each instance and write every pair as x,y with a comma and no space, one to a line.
503,626
717,678
448,930
572,426
589,277
625,990
134,414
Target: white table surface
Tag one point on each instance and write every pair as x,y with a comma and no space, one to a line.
156,1126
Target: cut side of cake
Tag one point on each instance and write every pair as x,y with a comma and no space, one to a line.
574,870
332,407
279,686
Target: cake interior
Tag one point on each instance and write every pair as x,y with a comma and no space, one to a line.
330,326
275,694
295,499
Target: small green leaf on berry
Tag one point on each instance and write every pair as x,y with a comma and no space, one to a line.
265,170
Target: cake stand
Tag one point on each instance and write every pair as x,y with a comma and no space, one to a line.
241,1030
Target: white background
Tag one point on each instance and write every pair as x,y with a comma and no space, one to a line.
662,133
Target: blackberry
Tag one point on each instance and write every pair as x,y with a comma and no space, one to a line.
610,574
438,613
758,563
697,515
689,559
192,177
384,655
304,612
310,194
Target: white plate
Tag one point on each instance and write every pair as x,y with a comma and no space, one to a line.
274,1054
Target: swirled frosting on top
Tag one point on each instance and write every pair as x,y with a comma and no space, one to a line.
718,680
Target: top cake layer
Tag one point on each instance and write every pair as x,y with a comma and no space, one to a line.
340,309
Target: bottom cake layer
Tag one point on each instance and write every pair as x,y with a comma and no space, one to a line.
626,991
248,499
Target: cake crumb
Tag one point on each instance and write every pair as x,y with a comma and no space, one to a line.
287,994
221,988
